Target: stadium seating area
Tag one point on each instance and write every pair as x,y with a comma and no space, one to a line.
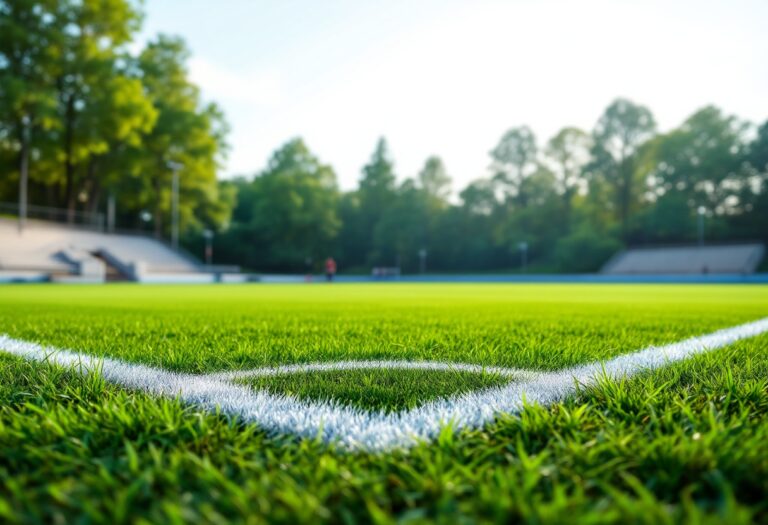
50,251
47,251
723,259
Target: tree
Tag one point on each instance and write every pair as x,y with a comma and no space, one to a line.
584,250
478,197
295,212
111,125
754,194
533,224
513,159
404,228
701,159
354,238
29,35
377,186
568,154
376,194
757,152
187,133
97,120
700,163
434,180
98,105
619,133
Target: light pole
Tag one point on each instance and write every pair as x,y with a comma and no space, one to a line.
111,213
24,173
145,217
422,260
702,212
175,167
208,235
523,255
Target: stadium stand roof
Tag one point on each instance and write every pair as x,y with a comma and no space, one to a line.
60,251
715,259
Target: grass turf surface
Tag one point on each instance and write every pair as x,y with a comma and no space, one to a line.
686,443
386,390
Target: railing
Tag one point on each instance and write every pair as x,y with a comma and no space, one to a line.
81,219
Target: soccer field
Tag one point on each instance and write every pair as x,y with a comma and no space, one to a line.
384,403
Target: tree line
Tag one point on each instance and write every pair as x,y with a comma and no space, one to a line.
85,116
570,202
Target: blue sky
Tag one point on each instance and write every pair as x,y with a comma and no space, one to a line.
449,77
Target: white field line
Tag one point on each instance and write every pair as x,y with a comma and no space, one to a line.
514,373
354,429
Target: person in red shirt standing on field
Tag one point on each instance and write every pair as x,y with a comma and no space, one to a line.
330,269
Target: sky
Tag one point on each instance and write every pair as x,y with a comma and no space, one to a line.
449,77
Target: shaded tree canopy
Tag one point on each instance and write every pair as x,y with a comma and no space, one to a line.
573,203
84,120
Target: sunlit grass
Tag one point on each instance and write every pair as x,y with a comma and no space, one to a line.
687,443
385,390
208,328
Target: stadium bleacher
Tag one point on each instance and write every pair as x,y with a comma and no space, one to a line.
685,260
51,251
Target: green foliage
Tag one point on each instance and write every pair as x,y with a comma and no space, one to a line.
88,120
83,119
378,182
434,180
375,197
685,444
620,132
403,228
701,161
29,54
595,193
187,133
568,152
287,216
584,250
513,159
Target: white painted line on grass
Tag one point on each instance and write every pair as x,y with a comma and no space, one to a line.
355,429
439,366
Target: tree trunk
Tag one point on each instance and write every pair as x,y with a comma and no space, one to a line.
69,165
24,140
158,210
50,195
567,206
626,200
94,193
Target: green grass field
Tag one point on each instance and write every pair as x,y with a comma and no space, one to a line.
686,443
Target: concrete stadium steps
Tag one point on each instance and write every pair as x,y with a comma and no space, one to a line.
681,260
62,251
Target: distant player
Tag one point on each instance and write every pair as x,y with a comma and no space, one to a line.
330,269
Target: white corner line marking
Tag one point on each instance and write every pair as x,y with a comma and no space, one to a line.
441,366
356,429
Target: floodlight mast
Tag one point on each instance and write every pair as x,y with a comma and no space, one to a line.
145,217
175,167
111,213
423,261
208,235
523,256
24,174
702,212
